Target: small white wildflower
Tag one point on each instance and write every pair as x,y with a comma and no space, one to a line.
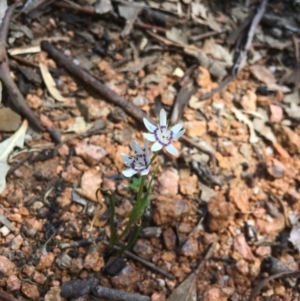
162,135
139,163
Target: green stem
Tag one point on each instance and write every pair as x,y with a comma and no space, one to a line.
142,183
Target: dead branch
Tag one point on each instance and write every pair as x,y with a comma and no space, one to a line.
17,101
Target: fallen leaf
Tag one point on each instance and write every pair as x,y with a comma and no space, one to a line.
186,291
50,83
24,50
6,147
79,126
242,118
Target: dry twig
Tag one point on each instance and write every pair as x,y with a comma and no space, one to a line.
17,100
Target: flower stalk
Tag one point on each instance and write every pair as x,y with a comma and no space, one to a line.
140,163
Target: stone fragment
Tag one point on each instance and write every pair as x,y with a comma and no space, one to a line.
89,184
13,283
248,101
241,246
240,197
45,262
30,291
127,279
168,181
90,153
143,249
168,209
190,248
275,168
6,266
54,294
288,138
195,128
169,239
220,213
39,277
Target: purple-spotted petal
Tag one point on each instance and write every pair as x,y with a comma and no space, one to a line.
127,159
172,150
150,127
176,128
150,137
129,172
163,118
156,146
178,135
145,171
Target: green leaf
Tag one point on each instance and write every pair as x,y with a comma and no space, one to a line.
135,184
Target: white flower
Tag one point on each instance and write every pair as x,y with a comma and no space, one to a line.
162,135
139,163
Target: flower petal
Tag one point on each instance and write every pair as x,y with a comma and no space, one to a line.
145,171
150,137
129,172
163,118
178,135
127,159
176,128
133,145
150,127
171,149
156,146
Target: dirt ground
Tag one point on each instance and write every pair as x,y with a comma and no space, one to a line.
77,79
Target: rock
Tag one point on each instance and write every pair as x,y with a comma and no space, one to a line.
248,101
190,248
34,101
54,294
240,245
143,249
214,294
203,78
30,291
276,113
39,277
168,209
275,168
158,296
240,197
168,181
188,185
287,137
76,265
63,261
168,256
195,128
90,153
148,286
274,226
9,120
169,239
220,213
6,266
242,266
94,261
17,242
263,251
127,279
89,184
32,226
13,283
71,174
45,262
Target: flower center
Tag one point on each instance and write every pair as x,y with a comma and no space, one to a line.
163,135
